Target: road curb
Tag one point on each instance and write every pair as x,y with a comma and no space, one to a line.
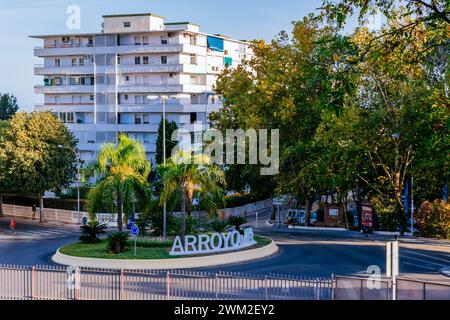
446,272
168,264
316,228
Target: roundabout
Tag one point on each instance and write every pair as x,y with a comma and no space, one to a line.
161,257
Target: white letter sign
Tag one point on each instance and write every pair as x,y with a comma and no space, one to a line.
217,242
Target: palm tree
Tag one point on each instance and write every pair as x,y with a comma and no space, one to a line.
122,171
186,173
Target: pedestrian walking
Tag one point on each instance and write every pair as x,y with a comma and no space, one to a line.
33,217
13,225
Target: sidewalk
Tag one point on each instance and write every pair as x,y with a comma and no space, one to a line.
32,230
45,224
426,241
354,234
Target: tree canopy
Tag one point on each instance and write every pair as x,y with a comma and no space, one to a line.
8,106
36,155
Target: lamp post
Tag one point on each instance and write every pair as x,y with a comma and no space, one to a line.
164,99
78,179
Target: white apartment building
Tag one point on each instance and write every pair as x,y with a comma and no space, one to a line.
98,83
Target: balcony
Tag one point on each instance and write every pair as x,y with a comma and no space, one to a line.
173,66
41,70
65,107
64,89
170,108
151,88
149,48
63,49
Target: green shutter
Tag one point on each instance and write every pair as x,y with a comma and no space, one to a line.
228,61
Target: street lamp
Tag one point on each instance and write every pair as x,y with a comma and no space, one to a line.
164,99
78,178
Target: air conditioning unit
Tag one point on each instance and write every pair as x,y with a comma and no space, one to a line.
170,34
65,39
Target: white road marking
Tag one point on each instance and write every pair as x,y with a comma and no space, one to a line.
427,256
423,261
419,266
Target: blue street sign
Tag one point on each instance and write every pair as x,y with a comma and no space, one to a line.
135,230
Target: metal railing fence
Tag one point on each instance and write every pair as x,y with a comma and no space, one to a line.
61,283
358,288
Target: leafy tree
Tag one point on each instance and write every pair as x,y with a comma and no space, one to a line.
121,171
170,128
183,175
423,10
33,157
4,179
434,219
287,86
8,106
394,119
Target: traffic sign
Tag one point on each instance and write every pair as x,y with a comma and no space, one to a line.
135,230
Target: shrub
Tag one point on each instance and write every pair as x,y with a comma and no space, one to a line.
389,215
219,225
237,221
153,243
235,201
91,231
118,242
433,219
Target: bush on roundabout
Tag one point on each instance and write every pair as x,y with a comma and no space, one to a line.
118,242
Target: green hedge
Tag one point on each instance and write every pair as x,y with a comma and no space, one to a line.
240,200
28,201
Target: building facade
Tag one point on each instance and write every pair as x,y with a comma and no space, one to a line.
104,84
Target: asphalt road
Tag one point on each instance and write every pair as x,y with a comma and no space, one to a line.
302,253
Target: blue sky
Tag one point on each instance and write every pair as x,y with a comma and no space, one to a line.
241,19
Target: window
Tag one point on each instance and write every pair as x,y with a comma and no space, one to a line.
193,59
91,97
146,119
126,97
70,117
127,24
193,117
164,40
81,62
74,62
62,117
137,60
193,40
137,41
118,59
145,59
57,62
145,40
127,78
137,119
163,59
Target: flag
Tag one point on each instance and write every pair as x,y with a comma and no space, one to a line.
406,199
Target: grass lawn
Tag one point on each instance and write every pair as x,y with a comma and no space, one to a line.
145,250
